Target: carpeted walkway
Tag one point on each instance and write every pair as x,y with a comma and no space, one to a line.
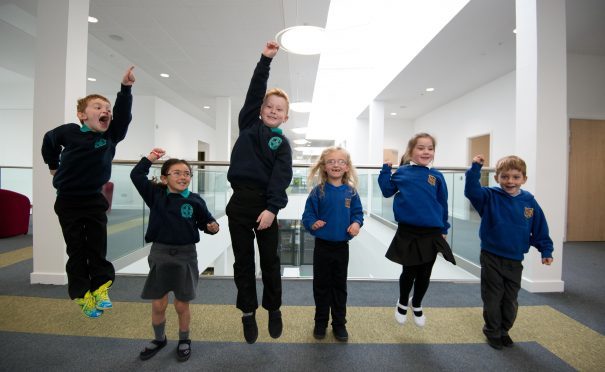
42,330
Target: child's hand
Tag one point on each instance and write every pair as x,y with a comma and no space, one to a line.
213,227
270,49
390,164
128,78
547,261
265,219
52,172
318,225
479,159
353,229
156,154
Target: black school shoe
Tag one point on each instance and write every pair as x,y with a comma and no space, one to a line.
340,332
275,324
319,332
148,353
183,354
506,341
250,328
495,342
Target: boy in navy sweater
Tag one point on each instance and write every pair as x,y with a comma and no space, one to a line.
260,172
511,221
79,158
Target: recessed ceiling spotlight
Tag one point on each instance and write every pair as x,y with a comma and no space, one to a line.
393,114
514,30
164,75
92,19
430,89
91,79
206,107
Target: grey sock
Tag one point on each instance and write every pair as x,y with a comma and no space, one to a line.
159,331
184,335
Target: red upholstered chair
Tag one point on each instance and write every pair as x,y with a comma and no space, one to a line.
14,213
107,191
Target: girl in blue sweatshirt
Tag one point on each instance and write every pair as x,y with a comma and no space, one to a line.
420,209
175,218
333,214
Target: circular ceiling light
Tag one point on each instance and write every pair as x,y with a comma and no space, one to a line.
305,40
301,106
92,19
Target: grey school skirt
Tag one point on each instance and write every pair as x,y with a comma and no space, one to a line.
171,268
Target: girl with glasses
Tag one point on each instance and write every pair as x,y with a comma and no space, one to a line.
175,216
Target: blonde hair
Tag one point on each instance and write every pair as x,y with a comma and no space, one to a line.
407,156
511,162
318,175
83,102
280,93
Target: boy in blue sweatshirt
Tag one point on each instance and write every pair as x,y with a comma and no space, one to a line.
511,221
259,173
79,158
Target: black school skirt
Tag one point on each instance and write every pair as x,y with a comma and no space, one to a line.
416,245
171,268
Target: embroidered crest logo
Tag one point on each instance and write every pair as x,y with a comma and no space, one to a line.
186,210
100,143
529,212
275,142
347,202
432,180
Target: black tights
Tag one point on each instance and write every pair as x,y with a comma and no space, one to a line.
417,276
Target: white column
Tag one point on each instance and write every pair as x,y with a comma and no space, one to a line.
222,147
61,51
541,126
376,133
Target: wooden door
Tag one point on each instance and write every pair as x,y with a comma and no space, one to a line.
586,193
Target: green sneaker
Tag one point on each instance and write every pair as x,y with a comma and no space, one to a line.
88,305
102,298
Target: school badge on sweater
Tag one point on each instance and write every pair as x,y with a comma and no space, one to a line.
275,142
186,211
432,180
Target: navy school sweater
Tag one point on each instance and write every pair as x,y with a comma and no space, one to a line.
173,218
509,224
261,156
82,157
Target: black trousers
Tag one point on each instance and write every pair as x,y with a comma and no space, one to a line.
242,211
84,224
330,265
500,284
417,276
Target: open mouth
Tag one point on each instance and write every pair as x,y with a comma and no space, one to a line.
104,120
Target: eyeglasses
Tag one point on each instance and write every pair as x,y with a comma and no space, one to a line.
336,161
179,173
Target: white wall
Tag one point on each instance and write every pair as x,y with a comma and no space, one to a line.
585,86
397,133
178,132
489,109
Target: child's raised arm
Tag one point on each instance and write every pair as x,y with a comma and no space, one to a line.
156,154
128,78
270,49
479,159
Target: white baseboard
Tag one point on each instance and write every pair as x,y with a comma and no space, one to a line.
542,285
48,278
